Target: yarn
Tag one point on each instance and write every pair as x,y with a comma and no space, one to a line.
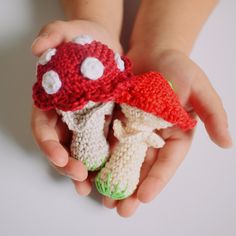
151,93
82,39
76,90
51,82
92,68
88,143
82,80
46,56
120,176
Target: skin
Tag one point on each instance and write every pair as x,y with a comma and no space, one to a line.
174,26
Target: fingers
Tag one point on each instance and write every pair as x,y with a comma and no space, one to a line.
74,169
54,151
128,206
150,158
43,128
209,108
83,188
50,36
169,158
109,203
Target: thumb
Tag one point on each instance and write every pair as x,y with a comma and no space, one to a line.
208,105
50,36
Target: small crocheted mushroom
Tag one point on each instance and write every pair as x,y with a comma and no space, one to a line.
82,80
78,80
148,103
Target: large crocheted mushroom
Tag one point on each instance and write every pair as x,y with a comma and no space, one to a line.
81,80
78,80
148,103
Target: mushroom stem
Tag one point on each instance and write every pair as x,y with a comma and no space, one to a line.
88,141
120,176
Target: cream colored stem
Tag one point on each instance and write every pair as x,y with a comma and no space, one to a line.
122,171
88,142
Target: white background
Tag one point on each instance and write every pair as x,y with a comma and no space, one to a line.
35,200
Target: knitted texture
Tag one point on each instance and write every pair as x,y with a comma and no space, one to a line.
120,176
82,80
76,90
78,79
88,142
151,93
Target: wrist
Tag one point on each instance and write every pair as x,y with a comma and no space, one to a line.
146,59
152,45
105,13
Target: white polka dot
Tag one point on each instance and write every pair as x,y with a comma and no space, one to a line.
120,63
82,39
92,68
47,55
51,82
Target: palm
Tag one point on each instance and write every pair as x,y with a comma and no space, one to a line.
160,166
197,96
179,70
191,85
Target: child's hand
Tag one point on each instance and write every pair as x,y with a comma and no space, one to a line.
49,131
198,97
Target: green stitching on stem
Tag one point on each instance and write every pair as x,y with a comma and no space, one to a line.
95,166
104,187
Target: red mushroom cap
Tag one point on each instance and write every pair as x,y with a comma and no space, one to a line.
151,93
74,90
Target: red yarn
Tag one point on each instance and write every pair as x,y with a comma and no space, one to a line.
149,92
76,90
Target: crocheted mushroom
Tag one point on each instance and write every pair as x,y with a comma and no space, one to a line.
81,80
148,103
78,80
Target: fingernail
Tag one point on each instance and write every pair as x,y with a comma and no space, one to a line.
73,177
59,163
44,35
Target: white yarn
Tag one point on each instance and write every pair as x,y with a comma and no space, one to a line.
82,39
135,136
120,63
88,142
92,68
51,82
47,55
